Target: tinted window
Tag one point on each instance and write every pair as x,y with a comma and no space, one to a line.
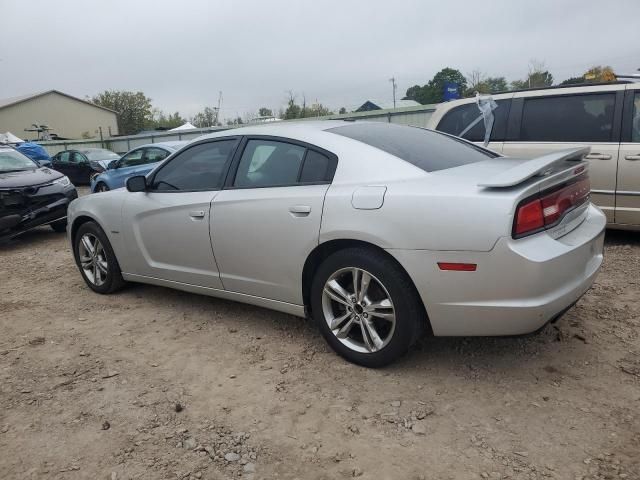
77,157
152,155
200,167
316,168
635,119
132,159
268,163
572,118
458,119
425,149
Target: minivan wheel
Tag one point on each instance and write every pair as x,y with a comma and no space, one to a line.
95,259
366,306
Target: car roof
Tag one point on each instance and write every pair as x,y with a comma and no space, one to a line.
284,129
174,145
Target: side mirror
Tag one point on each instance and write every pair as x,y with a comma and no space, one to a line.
137,183
113,164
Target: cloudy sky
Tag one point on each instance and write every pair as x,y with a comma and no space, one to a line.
181,53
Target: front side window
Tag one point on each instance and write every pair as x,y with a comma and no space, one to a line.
201,167
132,159
153,155
64,156
269,163
458,121
568,118
77,157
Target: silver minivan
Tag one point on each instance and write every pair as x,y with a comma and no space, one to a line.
529,123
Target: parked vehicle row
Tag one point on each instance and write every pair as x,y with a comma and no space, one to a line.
80,165
535,122
378,231
31,195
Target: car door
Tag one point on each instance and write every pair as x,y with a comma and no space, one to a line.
167,226
80,167
60,162
542,124
628,187
127,167
267,219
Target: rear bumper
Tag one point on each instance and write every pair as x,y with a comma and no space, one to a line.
518,286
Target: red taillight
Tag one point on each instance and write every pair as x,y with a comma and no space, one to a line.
548,208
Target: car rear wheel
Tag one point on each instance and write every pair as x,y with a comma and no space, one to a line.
366,306
102,187
95,259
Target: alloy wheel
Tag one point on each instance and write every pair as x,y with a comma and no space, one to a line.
359,310
93,259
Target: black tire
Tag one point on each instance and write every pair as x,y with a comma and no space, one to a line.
102,187
113,281
410,316
59,226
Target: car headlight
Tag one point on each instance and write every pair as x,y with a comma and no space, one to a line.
64,181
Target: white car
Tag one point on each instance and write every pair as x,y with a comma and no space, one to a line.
378,231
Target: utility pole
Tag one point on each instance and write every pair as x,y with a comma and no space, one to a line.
395,87
219,106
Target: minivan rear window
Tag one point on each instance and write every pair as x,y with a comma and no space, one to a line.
426,149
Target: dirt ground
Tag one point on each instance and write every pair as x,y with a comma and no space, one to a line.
90,387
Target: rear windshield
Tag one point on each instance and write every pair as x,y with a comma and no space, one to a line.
101,155
425,149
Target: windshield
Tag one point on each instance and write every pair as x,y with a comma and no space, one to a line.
12,161
94,155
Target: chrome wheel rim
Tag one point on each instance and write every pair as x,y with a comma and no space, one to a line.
93,259
358,310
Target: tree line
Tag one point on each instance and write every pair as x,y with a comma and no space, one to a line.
136,112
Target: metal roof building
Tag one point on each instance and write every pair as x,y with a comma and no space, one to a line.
65,115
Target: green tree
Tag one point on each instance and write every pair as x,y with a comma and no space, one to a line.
265,112
160,120
572,81
478,82
342,111
134,109
537,77
206,118
433,92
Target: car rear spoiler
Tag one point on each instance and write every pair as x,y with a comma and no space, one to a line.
536,166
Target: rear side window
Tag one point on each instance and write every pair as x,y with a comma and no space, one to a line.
425,149
316,168
568,118
267,163
458,119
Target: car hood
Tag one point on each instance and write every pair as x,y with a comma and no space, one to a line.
36,176
103,163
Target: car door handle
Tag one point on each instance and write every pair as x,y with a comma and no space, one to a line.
300,210
598,156
632,157
197,214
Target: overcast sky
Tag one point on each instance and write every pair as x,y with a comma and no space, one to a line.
181,53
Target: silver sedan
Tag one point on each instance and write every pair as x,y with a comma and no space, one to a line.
379,232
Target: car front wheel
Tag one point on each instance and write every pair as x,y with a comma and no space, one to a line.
366,306
102,187
95,259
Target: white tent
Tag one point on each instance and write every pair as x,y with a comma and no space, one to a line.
186,126
9,138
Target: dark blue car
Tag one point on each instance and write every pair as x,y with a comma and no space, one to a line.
139,161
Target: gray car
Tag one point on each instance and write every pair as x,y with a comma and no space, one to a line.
377,231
